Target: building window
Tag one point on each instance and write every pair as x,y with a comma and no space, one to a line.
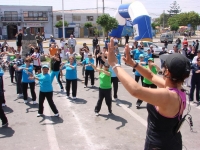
76,18
10,15
58,17
35,16
90,18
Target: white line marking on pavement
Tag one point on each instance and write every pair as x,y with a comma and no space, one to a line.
51,134
83,132
81,128
133,114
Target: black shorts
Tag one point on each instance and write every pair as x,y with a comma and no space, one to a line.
37,67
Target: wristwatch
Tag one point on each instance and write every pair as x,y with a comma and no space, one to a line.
116,65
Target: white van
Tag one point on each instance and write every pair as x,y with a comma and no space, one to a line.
167,36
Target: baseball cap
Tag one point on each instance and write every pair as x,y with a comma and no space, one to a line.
151,59
45,66
141,55
178,65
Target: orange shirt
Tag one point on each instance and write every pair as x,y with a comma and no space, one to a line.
53,51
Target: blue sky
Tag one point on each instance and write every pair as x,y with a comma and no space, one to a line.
154,7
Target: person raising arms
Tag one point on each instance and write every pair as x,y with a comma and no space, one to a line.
165,105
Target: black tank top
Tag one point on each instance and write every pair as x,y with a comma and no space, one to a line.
161,130
55,65
97,52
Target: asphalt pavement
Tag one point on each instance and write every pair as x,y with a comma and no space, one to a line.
78,127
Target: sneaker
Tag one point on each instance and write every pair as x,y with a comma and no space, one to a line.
39,115
110,112
115,99
34,102
62,90
85,86
25,101
3,104
5,124
67,97
19,95
92,86
73,97
96,113
56,115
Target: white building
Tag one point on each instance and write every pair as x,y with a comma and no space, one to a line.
13,18
76,20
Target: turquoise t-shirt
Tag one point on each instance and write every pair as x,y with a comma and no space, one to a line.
86,62
25,75
71,73
45,82
113,74
119,58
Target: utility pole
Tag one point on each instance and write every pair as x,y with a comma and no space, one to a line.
63,20
121,1
103,6
163,19
103,13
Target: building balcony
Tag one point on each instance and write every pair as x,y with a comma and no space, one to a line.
11,19
35,19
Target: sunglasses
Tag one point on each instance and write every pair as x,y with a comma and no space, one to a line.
27,61
89,55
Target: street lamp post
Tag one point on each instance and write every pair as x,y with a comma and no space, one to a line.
63,20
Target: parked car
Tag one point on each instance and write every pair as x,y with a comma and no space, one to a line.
169,36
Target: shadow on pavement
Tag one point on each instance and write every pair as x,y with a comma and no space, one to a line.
115,118
78,101
92,88
6,132
123,102
31,106
7,110
51,120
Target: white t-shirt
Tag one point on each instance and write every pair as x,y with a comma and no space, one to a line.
62,44
194,61
36,62
70,55
85,55
115,40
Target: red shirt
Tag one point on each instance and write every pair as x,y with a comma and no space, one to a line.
185,42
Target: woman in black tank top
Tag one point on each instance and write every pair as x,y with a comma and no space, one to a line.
97,55
165,105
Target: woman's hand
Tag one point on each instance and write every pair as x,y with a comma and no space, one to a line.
128,60
112,60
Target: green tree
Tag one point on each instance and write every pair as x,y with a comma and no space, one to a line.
154,25
183,19
88,25
173,20
174,27
59,24
163,19
174,9
107,22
